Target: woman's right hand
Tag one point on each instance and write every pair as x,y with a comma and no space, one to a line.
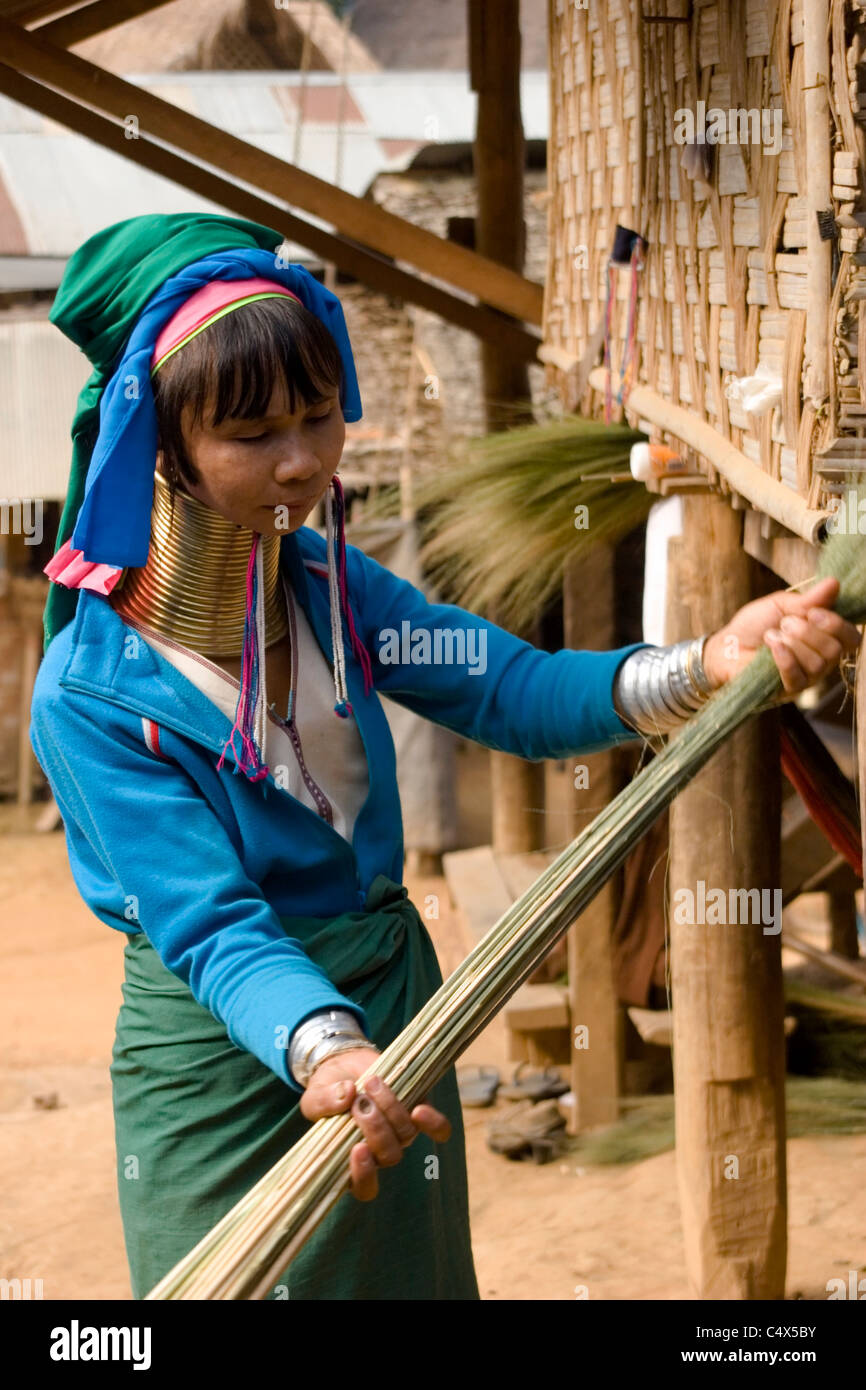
388,1127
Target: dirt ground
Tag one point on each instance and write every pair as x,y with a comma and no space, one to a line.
538,1232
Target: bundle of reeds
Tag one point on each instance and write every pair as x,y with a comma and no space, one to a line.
245,1253
499,522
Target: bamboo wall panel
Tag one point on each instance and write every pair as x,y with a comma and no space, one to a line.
738,274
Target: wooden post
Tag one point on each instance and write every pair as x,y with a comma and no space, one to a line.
818,196
842,911
729,1059
517,786
860,725
597,1057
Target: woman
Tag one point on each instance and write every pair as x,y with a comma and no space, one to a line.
236,821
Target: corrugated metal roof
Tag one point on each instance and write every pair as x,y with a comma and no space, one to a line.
31,272
41,373
65,188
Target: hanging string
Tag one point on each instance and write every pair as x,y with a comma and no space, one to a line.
608,327
629,355
335,525
251,707
631,240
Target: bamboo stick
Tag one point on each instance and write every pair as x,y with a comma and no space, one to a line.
816,103
829,959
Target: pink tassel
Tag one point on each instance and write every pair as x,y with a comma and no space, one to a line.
358,647
251,761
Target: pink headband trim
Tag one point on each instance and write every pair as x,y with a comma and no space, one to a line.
197,311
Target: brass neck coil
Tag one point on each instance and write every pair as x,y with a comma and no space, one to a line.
193,587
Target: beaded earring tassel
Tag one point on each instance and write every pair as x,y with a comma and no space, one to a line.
252,703
338,590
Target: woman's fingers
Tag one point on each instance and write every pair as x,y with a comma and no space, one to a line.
827,649
819,615
363,1175
796,662
384,1144
389,1106
327,1097
387,1126
823,594
432,1122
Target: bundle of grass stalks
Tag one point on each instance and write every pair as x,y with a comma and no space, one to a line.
813,1105
245,1253
499,522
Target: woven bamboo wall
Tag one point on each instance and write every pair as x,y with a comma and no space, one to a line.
736,271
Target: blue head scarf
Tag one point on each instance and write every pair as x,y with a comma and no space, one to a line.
113,523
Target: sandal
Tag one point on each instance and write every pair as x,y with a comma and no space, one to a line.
477,1086
527,1130
537,1085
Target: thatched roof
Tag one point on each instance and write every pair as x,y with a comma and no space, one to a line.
255,34
229,35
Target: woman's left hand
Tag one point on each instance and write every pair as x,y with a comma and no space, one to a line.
803,633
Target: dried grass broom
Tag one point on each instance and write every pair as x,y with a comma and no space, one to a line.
252,1245
498,521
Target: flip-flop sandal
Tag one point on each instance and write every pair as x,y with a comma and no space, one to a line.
536,1085
477,1086
526,1129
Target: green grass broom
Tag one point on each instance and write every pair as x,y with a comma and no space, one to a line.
252,1245
498,522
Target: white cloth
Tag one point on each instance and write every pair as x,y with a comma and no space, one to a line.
332,748
665,520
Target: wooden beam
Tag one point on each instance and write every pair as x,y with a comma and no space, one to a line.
355,260
92,19
860,726
790,557
728,1004
358,218
22,13
597,1058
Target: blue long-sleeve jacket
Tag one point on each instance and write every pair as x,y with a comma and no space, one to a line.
206,862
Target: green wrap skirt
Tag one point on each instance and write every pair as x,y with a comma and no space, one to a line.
198,1121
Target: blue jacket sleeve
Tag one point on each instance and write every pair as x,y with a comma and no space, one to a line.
481,681
155,835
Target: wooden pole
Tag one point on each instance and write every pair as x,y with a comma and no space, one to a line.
842,911
589,607
860,726
729,1059
517,786
818,191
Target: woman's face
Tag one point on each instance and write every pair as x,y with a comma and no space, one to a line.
268,474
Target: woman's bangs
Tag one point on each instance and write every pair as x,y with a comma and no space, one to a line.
261,353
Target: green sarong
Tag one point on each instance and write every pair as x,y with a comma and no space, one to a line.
198,1121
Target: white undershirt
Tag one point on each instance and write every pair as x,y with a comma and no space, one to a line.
332,748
